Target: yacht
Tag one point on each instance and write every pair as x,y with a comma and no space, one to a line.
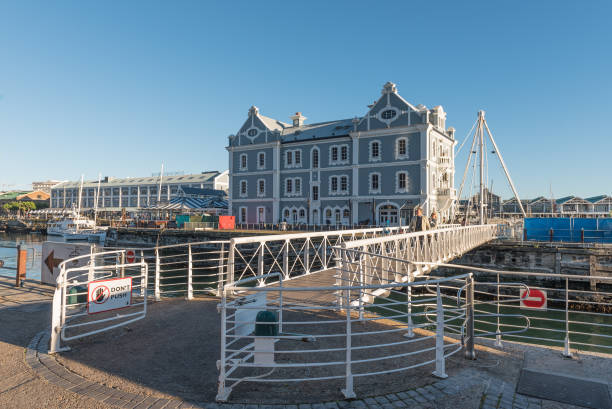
75,227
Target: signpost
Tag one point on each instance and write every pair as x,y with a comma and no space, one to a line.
53,253
130,256
111,294
532,298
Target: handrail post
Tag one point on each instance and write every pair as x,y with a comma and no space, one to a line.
566,344
189,273
440,371
348,391
144,286
260,263
286,259
498,336
230,263
220,269
157,274
469,305
56,314
122,264
410,332
361,283
223,392
307,255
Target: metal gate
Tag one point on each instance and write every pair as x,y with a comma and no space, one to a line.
97,294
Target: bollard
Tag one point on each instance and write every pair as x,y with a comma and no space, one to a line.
582,235
440,371
470,353
551,234
22,257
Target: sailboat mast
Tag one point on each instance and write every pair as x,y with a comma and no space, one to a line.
80,196
97,198
161,178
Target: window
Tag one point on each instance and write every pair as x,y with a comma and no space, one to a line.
375,151
289,157
289,186
286,213
315,193
344,183
388,114
261,160
243,161
302,213
298,158
338,154
315,158
374,182
243,188
298,187
334,184
346,214
261,187
401,182
401,148
243,215
293,158
252,132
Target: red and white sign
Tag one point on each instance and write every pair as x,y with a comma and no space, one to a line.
533,298
106,295
130,256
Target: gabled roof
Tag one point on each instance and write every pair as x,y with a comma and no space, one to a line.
341,127
537,199
596,199
273,124
564,199
194,191
154,180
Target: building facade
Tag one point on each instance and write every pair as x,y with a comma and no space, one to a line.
373,169
45,186
133,193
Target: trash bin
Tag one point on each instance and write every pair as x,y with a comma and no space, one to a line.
73,298
266,330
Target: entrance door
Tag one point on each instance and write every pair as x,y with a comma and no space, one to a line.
388,215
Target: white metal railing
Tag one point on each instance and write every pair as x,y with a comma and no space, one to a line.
577,313
292,254
71,315
312,337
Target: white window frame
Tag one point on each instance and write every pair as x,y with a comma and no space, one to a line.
371,157
339,191
291,153
246,214
246,161
339,161
312,186
397,176
246,188
294,191
259,192
259,165
312,152
397,142
371,189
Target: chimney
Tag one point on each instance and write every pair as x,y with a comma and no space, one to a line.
298,119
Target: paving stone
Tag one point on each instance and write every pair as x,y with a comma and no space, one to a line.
358,404
381,400
392,397
368,401
402,395
290,407
238,406
304,406
398,404
330,405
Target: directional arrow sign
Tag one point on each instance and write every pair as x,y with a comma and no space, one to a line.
52,262
533,298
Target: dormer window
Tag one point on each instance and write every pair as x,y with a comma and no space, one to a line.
388,114
252,132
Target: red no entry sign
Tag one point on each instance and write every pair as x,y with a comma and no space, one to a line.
130,256
533,298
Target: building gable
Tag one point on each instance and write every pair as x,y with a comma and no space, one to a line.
257,129
391,110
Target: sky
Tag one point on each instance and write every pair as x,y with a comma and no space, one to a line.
119,88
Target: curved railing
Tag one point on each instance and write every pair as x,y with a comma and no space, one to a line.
337,333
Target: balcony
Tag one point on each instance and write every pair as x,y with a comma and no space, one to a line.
446,191
444,161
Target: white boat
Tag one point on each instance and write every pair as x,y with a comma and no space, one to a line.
69,225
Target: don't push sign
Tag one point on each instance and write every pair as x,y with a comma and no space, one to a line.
106,295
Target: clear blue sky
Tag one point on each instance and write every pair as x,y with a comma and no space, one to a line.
119,87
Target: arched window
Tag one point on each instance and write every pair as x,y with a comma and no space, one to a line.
302,213
286,213
346,214
315,158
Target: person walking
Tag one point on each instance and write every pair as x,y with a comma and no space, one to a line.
418,222
433,220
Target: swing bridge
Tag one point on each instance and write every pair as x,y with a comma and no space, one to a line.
335,306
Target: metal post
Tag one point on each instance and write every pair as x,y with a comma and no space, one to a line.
22,257
280,304
260,261
189,273
566,348
220,270
498,342
122,264
410,332
307,255
440,371
230,263
361,283
348,391
157,273
145,284
470,353
286,259
223,391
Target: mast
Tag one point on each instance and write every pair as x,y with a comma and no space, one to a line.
161,177
80,195
97,198
481,148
